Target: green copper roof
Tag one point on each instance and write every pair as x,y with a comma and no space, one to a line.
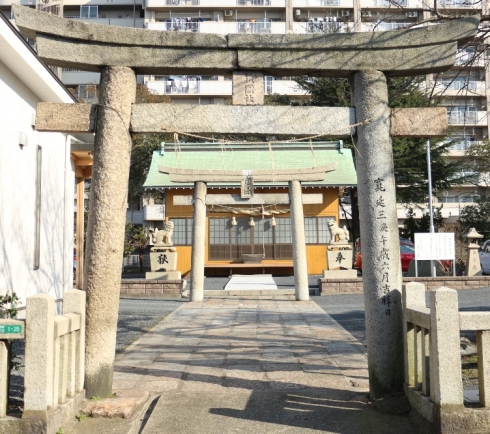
250,156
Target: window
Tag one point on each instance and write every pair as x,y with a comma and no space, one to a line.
182,235
88,93
89,12
316,230
275,242
407,250
37,228
447,199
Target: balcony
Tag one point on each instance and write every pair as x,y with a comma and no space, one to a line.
101,2
154,212
461,87
467,118
347,4
461,4
220,28
321,27
215,3
76,77
391,3
189,87
283,87
121,22
459,147
465,59
382,26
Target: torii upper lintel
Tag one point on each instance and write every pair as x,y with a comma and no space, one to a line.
90,47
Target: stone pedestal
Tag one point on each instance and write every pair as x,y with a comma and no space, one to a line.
339,259
163,261
339,262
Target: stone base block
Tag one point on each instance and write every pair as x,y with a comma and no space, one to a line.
163,275
123,404
339,274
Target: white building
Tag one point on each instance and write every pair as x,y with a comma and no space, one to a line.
37,175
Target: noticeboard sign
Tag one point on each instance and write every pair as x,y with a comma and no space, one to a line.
438,246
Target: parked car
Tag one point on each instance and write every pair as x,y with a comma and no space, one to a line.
407,253
484,254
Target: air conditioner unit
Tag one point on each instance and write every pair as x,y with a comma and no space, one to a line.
346,13
229,12
412,14
366,13
297,12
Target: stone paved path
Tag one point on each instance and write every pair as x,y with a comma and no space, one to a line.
263,365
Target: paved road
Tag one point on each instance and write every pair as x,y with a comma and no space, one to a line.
348,309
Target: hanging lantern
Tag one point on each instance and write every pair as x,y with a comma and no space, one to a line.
273,220
251,222
233,221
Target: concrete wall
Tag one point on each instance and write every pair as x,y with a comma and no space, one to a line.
167,288
18,198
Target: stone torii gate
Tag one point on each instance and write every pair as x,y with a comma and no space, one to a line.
366,58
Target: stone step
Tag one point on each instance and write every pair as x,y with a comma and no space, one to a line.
246,292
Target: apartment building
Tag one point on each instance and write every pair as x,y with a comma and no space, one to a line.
464,87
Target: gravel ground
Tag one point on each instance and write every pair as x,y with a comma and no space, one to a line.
137,316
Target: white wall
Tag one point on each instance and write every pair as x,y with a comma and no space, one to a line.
18,198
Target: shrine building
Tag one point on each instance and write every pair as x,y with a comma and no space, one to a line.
251,217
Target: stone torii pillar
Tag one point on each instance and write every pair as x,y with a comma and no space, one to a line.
106,223
198,242
381,268
299,242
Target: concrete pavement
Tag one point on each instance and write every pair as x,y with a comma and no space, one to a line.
246,365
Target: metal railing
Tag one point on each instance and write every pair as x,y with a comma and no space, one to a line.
324,27
393,3
253,28
460,4
468,117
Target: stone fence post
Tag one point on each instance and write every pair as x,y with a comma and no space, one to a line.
445,357
74,302
39,380
413,297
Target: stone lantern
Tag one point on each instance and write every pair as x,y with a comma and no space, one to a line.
472,260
